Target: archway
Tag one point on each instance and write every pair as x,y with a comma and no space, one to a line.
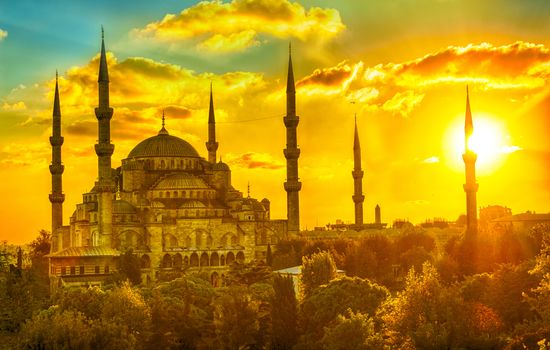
230,258
167,261
177,261
194,260
214,259
240,257
145,262
204,259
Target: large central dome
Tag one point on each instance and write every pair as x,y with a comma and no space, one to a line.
163,145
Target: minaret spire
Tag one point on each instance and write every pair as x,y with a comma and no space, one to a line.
469,157
56,169
211,145
357,173
292,153
104,150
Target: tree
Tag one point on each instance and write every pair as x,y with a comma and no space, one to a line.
432,316
52,330
130,267
248,273
283,313
236,319
352,331
317,269
325,303
124,305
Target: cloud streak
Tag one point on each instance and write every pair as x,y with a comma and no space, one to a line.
218,26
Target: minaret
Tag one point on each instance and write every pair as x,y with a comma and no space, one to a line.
104,149
471,186
357,173
56,169
292,152
211,145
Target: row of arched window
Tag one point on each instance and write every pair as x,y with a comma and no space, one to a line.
202,240
194,260
186,195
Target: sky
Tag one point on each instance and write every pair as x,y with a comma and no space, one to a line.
400,66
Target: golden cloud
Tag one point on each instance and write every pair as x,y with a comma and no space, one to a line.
17,106
253,160
3,34
234,26
399,87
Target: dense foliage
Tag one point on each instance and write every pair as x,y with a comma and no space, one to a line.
410,290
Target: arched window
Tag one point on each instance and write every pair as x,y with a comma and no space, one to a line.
177,261
204,259
194,260
215,279
162,165
230,258
185,260
167,261
175,193
214,259
172,164
145,261
167,194
234,240
240,257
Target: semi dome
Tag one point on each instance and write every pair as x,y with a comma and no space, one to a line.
180,181
163,145
123,207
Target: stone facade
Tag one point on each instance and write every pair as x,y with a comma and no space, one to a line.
166,203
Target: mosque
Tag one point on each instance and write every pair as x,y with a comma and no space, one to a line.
177,210
173,208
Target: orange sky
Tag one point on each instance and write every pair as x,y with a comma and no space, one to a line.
407,86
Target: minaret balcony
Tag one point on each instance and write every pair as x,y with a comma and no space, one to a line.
104,149
57,197
358,198
56,140
57,169
357,173
291,153
291,121
469,157
293,186
104,112
211,146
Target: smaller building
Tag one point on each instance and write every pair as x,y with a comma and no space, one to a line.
518,222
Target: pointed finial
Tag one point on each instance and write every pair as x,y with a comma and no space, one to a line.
56,107
163,130
103,70
289,48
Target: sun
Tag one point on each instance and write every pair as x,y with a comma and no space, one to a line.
490,141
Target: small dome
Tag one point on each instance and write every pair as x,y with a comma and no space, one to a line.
220,166
181,181
163,145
123,207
